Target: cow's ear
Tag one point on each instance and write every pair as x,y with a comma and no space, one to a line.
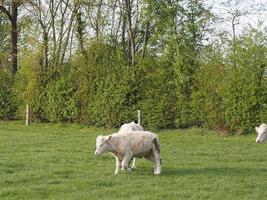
109,138
98,137
256,128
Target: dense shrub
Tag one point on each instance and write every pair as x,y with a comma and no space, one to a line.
60,103
109,106
28,88
157,94
175,89
208,108
105,87
244,91
263,112
7,104
231,97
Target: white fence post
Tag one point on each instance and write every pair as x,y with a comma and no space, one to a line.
27,115
139,117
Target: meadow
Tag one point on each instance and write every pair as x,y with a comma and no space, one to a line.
46,161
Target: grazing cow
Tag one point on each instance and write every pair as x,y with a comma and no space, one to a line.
262,133
125,147
130,128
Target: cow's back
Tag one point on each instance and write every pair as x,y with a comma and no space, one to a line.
130,127
141,142
263,127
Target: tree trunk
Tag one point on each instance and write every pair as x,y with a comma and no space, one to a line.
14,37
13,17
123,31
80,33
145,39
98,20
234,40
45,41
131,45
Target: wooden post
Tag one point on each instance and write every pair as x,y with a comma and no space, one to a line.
27,115
139,117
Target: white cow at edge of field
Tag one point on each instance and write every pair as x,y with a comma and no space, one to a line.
125,147
262,133
130,128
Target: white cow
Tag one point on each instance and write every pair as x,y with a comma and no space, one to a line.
125,147
262,133
129,128
125,128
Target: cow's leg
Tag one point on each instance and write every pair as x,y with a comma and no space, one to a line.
150,157
157,167
133,164
118,165
125,162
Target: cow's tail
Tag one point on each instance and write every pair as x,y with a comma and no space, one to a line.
157,147
156,144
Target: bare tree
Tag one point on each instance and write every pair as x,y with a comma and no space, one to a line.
80,29
39,13
131,44
56,19
12,15
233,12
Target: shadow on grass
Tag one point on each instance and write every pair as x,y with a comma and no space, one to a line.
219,171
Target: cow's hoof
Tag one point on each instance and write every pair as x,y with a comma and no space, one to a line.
124,168
129,169
157,173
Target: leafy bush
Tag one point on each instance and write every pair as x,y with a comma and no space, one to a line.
207,98
29,86
109,104
244,91
177,88
157,94
7,105
104,87
60,104
231,97
263,111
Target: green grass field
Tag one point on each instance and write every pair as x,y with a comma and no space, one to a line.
57,162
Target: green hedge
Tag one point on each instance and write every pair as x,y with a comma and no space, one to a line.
173,90
7,103
59,102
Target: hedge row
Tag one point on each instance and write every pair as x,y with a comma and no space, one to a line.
221,91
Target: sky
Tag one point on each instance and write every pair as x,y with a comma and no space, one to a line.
223,10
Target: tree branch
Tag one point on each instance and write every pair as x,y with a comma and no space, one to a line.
5,11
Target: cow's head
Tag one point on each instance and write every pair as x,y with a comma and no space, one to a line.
102,144
262,134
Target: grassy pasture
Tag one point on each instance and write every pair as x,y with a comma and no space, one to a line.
57,162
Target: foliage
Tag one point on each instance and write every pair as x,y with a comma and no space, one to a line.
157,94
105,91
208,108
60,103
244,93
3,33
232,98
98,63
28,86
7,104
169,92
